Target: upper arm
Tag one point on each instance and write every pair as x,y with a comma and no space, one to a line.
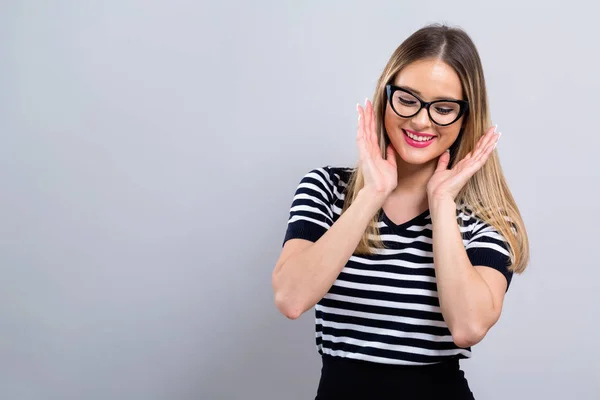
311,213
487,248
488,252
291,247
498,286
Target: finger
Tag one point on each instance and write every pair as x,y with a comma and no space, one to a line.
462,162
468,156
481,159
492,135
391,154
484,141
486,153
369,143
474,165
489,136
360,134
370,134
361,121
367,126
480,144
358,130
373,125
475,160
443,161
496,137
489,147
486,136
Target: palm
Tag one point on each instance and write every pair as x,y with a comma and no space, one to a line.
379,174
448,182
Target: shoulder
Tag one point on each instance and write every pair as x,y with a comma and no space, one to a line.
334,173
328,177
317,202
475,226
485,245
471,223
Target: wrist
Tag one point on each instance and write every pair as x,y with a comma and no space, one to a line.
371,199
439,204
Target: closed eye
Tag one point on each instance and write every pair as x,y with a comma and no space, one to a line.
442,110
406,102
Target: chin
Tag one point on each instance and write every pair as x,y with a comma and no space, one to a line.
410,157
417,155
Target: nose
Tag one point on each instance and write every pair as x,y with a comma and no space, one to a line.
421,120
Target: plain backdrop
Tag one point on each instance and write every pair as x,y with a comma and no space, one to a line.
149,153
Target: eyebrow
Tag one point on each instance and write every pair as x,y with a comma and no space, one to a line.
415,91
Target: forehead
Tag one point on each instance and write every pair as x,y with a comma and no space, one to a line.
431,78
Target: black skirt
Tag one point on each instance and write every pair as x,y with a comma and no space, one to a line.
348,379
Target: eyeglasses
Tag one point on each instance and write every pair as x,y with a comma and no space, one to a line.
441,112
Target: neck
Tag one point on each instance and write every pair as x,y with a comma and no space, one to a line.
413,179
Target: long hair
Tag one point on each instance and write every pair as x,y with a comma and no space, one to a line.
486,194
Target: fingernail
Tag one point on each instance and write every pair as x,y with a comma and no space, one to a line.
499,134
495,128
366,99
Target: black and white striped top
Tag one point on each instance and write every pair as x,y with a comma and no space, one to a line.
384,308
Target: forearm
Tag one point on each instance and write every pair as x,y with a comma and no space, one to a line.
304,278
466,300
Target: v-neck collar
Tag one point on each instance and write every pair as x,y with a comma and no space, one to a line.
421,219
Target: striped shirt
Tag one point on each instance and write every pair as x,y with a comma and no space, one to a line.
384,307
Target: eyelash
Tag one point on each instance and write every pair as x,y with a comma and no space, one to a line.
444,110
438,109
408,103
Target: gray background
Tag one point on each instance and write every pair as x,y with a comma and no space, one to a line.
149,154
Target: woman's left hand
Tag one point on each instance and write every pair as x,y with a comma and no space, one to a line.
447,183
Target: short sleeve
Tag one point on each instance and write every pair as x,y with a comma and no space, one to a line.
311,212
487,247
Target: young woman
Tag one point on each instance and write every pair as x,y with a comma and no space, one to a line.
408,256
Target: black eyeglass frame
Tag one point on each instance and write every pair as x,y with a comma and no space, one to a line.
391,89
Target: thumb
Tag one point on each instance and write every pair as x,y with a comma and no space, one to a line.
443,161
391,155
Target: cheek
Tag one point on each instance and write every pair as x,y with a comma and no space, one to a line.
388,121
449,134
392,122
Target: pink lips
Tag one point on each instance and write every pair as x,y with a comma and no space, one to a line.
415,143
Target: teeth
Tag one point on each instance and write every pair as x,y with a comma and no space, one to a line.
419,138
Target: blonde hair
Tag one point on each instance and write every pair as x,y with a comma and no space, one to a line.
486,194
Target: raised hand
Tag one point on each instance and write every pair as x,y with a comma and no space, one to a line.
380,175
447,183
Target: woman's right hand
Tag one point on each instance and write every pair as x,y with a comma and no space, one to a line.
380,175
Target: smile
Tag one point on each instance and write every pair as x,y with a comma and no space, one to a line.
418,140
